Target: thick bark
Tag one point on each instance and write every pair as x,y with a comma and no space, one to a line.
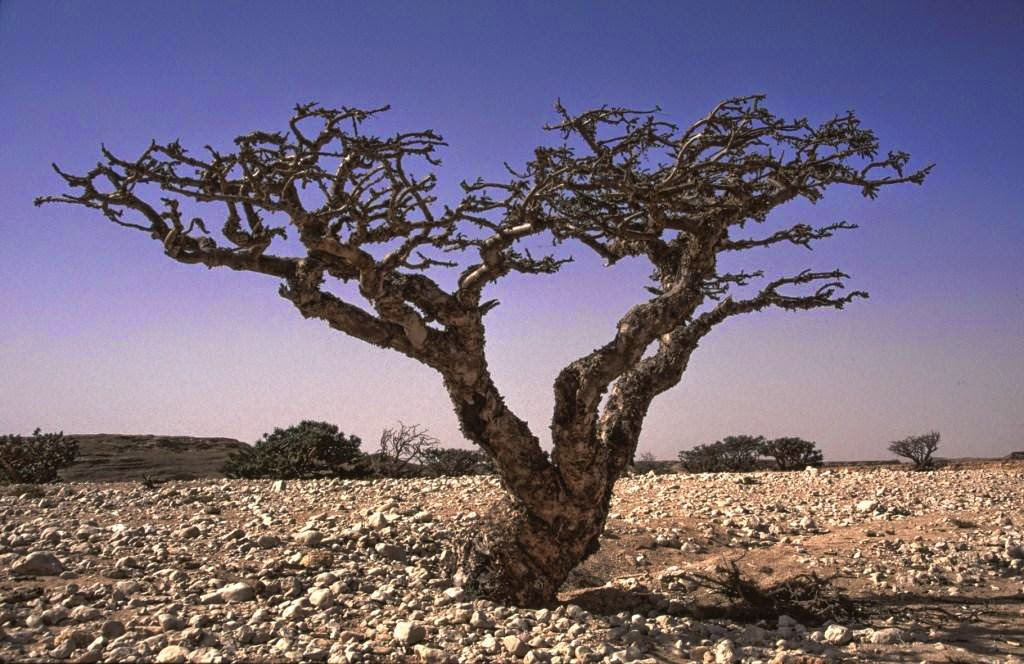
523,559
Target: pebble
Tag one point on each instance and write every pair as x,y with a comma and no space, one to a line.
237,592
38,563
280,577
409,633
172,655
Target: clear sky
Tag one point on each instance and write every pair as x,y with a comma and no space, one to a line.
99,332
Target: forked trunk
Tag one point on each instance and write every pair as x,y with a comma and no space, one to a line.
554,510
522,559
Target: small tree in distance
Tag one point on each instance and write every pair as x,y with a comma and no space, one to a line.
622,183
919,449
307,450
792,453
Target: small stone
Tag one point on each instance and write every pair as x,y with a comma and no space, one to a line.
489,644
409,633
390,551
309,537
278,485
170,623
237,592
267,541
38,563
480,621
112,629
207,655
322,598
514,646
725,652
191,532
887,636
429,655
838,635
172,655
866,506
454,594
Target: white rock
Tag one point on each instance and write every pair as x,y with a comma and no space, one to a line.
309,537
514,646
409,633
237,592
838,635
867,506
725,652
172,655
322,598
887,636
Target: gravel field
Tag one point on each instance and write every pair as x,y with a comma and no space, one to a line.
354,571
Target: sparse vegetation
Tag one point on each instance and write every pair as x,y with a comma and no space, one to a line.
307,450
919,449
401,451
809,598
645,463
455,462
35,459
792,453
732,454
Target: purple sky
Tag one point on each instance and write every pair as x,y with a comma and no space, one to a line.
99,332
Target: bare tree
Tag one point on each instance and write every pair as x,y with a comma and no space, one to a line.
621,183
402,450
919,449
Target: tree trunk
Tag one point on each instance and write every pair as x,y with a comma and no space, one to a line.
552,516
522,559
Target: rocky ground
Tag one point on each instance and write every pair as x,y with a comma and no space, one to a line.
355,571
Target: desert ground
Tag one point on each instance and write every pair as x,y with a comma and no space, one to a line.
838,564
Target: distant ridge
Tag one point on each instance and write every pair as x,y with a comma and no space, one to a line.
104,457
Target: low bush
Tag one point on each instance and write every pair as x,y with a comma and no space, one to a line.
35,459
792,453
402,451
304,451
454,462
732,454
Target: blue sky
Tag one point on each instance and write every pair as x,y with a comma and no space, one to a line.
100,332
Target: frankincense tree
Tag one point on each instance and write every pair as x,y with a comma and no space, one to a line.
620,182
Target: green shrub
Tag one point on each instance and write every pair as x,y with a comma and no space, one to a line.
453,462
35,459
792,453
732,454
307,450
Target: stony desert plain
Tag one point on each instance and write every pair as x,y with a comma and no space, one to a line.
837,564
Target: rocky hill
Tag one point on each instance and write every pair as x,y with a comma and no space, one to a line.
106,457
